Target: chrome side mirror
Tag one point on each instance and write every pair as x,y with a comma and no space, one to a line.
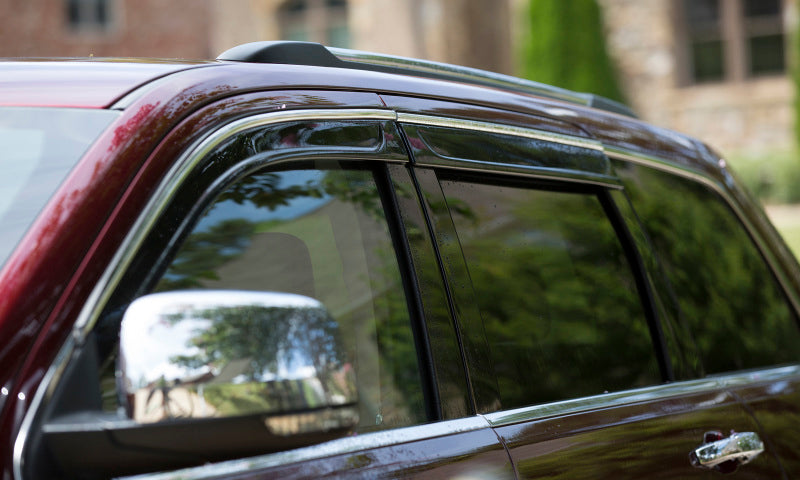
224,354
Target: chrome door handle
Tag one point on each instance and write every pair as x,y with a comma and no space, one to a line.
726,454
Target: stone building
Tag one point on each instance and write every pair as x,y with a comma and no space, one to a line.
474,33
717,69
124,28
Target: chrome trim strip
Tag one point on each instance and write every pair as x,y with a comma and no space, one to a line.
666,166
501,129
55,370
640,395
176,176
335,447
144,223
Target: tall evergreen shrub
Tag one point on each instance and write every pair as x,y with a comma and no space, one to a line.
565,47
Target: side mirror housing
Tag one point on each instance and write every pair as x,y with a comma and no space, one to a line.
213,375
221,354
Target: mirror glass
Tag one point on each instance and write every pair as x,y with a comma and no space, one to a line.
212,354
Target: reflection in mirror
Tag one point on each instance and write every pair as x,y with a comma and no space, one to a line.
216,353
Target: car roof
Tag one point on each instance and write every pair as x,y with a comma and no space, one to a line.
117,83
84,83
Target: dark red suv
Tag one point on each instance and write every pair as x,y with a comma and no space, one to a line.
296,261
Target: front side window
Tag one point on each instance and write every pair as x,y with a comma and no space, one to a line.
732,307
262,309
321,234
557,296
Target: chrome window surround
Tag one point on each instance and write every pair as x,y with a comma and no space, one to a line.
174,178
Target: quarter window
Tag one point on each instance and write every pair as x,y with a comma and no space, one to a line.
732,307
556,294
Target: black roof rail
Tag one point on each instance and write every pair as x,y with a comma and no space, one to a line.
307,53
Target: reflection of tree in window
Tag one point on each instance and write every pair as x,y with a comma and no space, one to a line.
321,21
731,303
256,336
555,292
321,234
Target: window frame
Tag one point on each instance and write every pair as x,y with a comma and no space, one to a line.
558,173
735,216
386,151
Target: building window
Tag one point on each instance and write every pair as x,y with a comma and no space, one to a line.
732,40
88,14
321,21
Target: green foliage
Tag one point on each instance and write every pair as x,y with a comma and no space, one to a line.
359,285
555,293
730,302
794,64
566,48
772,178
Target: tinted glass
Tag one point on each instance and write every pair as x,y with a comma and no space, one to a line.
730,302
39,148
321,234
557,297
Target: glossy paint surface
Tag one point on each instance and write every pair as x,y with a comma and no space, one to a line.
774,400
86,84
651,439
464,448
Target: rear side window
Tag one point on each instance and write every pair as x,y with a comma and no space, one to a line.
731,306
556,294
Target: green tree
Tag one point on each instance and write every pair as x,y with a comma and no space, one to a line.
565,47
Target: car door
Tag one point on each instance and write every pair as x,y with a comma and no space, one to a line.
315,205
734,312
568,349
